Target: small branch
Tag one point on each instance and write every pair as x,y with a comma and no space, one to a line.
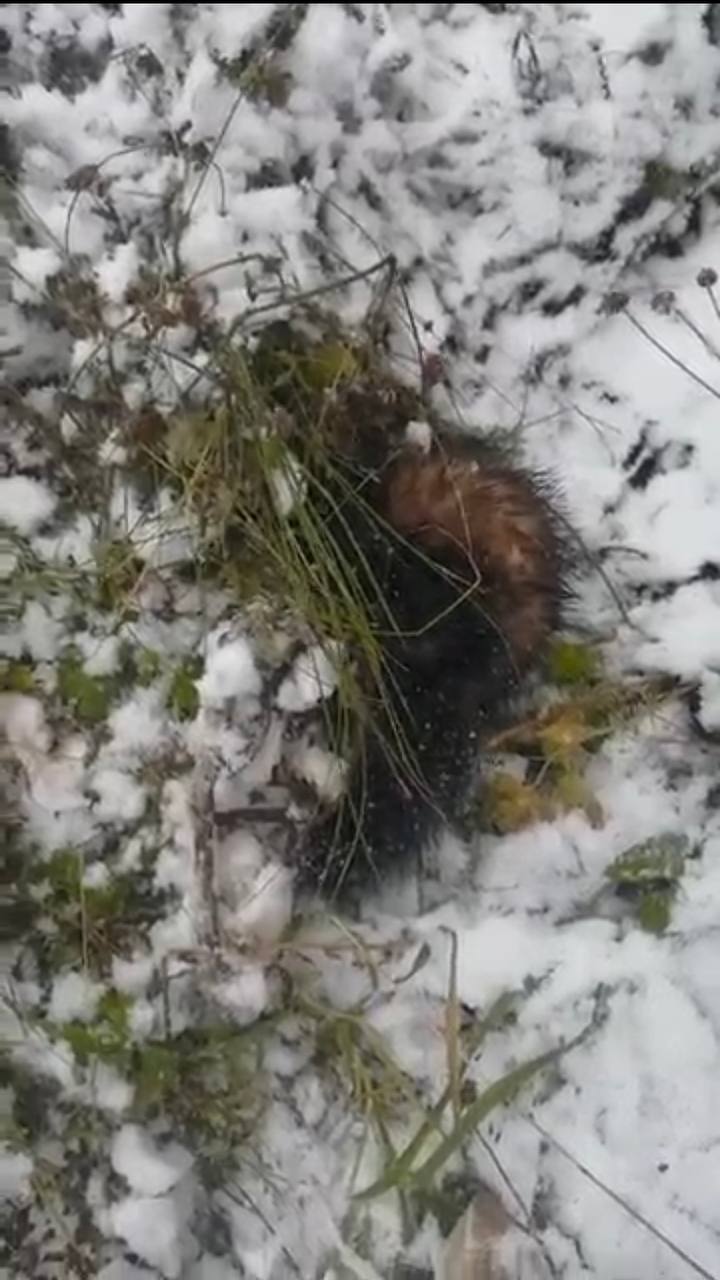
212,157
86,179
385,264
670,355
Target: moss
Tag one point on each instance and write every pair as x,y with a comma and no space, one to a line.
183,699
87,697
571,664
509,804
107,1037
17,677
148,667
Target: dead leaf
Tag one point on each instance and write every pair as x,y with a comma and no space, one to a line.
487,1245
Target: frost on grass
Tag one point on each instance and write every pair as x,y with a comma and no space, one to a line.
201,1080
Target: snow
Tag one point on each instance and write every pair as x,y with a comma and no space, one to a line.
148,1169
245,996
116,273
25,504
710,701
33,266
101,654
324,771
74,997
312,679
119,798
41,633
255,894
24,725
503,159
230,670
152,1229
15,1171
110,1091
138,725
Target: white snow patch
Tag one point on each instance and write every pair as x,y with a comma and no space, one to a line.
73,543
109,1090
25,504
255,894
119,797
149,1170
710,701
139,725
122,1270
33,267
313,679
74,997
176,865
115,273
41,633
96,876
50,1058
132,976
22,720
101,653
245,995
15,1171
419,434
322,769
152,1228
230,670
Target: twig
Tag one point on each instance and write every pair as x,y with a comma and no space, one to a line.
695,328
206,372
90,173
211,159
243,1198
226,262
343,282
412,323
670,355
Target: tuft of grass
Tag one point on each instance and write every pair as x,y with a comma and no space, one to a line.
257,474
89,924
419,1171
118,573
348,1045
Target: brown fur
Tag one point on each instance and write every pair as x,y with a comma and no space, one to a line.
498,530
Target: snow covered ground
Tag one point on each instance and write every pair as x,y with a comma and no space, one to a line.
548,178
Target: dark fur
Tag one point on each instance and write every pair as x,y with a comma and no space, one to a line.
473,567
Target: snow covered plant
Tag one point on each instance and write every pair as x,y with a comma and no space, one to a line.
235,234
